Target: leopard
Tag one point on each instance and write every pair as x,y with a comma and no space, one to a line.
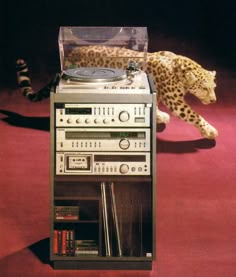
173,75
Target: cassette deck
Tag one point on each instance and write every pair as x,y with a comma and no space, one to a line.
102,163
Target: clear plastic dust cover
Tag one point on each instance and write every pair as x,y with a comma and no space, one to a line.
102,46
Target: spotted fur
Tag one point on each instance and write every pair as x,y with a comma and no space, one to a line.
174,76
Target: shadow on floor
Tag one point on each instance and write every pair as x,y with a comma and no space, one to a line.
181,147
15,119
41,250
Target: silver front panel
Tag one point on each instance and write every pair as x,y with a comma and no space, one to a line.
103,139
103,115
121,86
100,163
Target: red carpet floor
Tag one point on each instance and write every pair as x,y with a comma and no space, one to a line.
196,192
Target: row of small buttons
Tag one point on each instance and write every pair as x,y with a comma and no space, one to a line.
103,111
95,144
139,111
105,169
122,169
88,120
139,169
140,145
86,144
119,87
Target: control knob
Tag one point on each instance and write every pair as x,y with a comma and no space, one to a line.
124,168
124,144
105,121
124,116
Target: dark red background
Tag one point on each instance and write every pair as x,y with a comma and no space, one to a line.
196,184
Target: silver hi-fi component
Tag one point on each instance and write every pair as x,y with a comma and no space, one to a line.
103,139
103,163
102,114
109,80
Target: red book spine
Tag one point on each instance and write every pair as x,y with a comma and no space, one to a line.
55,242
63,242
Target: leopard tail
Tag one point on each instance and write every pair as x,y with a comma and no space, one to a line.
23,79
24,83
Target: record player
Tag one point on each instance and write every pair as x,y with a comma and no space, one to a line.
103,80
106,79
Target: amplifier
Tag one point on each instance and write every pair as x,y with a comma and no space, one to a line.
103,115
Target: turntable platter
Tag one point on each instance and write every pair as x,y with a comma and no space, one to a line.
94,74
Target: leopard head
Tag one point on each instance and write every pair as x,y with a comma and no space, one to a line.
196,80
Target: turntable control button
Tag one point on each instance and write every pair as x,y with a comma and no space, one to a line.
124,168
124,116
69,120
105,121
87,120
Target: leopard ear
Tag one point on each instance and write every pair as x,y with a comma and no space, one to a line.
213,73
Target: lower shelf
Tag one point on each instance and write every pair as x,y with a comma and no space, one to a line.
104,263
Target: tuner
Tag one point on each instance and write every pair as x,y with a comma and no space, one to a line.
124,116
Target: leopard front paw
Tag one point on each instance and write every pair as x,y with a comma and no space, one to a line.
209,132
162,117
